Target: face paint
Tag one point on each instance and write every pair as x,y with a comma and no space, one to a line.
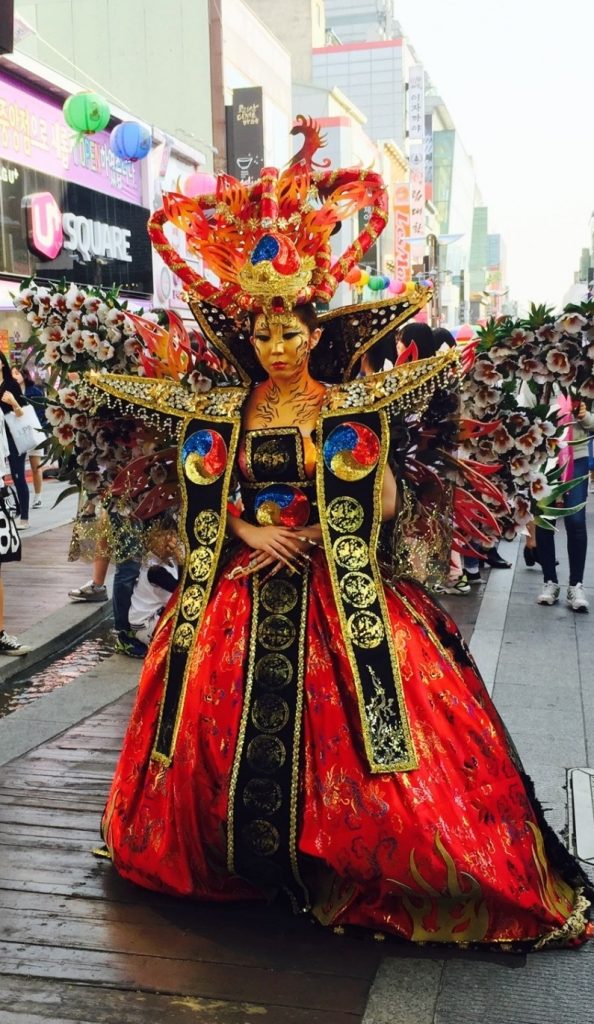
282,346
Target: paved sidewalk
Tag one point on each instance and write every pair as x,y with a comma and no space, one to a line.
36,604
537,663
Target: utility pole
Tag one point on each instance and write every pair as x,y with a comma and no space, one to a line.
6,26
217,87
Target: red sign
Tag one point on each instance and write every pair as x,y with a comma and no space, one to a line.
45,235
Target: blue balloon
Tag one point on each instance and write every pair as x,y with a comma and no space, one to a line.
130,141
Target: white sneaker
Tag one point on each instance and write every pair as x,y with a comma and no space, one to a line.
549,594
36,503
576,599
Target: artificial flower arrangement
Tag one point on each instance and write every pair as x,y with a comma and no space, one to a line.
75,330
515,374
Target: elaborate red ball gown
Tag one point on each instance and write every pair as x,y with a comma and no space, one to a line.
454,850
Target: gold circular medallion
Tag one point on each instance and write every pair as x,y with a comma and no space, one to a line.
262,795
183,636
345,515
200,564
192,602
366,629
270,713
276,632
261,837
279,596
206,526
351,552
266,753
273,671
358,589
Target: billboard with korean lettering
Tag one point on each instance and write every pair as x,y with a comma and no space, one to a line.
52,229
33,133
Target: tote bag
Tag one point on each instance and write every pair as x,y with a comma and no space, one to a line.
26,430
10,538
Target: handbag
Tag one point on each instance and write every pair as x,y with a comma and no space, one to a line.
10,538
26,430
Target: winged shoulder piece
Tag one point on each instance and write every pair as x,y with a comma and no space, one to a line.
161,396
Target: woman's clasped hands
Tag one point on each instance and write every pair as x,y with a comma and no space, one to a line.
276,546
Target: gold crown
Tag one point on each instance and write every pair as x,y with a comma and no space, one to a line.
265,284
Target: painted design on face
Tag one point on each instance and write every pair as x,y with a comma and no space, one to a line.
282,346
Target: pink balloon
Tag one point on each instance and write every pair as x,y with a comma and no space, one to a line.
396,287
200,184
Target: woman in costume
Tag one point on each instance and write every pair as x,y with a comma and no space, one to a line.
308,720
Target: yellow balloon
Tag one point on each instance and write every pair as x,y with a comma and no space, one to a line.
364,278
411,287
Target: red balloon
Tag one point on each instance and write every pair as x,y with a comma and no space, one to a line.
354,275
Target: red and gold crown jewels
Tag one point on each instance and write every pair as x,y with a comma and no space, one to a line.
268,241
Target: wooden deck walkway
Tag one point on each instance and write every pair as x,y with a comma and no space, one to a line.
78,943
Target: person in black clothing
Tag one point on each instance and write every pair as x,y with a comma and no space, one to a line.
12,399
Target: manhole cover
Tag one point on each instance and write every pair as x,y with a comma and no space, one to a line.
581,810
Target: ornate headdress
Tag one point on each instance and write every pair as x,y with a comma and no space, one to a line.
268,242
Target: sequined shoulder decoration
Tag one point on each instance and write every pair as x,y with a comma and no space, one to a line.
409,385
166,396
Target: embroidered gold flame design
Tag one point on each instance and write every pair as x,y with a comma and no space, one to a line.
557,896
459,914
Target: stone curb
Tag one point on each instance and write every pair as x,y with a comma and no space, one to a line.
50,636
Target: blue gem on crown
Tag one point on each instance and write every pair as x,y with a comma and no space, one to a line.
267,248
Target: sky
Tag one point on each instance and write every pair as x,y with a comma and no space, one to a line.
518,79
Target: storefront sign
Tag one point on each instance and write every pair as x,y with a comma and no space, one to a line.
417,188
33,133
428,156
54,229
402,232
416,103
245,134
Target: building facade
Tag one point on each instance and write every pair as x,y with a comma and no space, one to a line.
361,20
72,211
140,55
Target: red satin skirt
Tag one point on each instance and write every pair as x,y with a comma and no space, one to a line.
449,852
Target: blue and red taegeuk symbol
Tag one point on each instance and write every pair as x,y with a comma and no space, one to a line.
351,451
204,456
282,505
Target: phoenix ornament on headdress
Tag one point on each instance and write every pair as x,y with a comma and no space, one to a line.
268,241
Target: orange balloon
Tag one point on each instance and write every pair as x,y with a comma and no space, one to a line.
354,275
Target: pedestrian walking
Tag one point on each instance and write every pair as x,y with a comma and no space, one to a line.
576,468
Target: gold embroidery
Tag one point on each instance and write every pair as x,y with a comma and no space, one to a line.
351,552
200,563
358,589
262,837
192,602
276,632
270,713
183,636
263,795
206,526
345,514
274,671
384,720
366,629
182,641
270,456
266,753
279,596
